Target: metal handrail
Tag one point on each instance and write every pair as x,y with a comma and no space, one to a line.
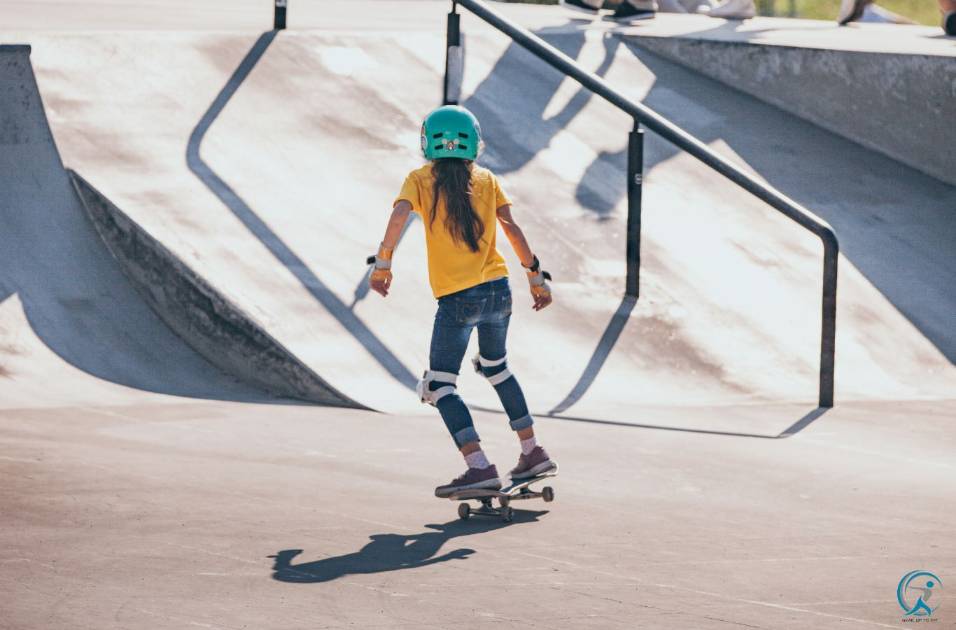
650,119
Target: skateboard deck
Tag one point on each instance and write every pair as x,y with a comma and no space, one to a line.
519,490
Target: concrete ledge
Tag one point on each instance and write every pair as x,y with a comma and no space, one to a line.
899,103
211,324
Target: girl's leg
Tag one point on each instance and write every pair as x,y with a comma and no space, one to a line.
492,335
448,346
491,347
449,342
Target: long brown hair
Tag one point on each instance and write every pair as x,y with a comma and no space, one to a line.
453,182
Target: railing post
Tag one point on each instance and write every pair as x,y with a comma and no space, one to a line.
831,252
635,181
454,58
279,23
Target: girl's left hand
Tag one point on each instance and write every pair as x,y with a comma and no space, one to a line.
540,290
380,281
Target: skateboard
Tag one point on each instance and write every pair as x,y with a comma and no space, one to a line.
517,491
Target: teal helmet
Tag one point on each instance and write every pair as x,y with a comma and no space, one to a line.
451,132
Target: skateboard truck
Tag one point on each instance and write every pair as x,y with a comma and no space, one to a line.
518,491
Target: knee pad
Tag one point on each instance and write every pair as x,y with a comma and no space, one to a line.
483,365
430,396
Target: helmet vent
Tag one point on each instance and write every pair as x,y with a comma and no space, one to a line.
463,147
437,135
462,134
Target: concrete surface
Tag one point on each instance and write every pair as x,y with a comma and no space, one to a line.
888,87
283,230
248,516
195,312
700,486
209,323
72,328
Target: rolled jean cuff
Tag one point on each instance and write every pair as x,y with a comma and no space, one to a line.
466,435
522,423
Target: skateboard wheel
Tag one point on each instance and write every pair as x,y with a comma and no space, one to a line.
464,511
547,493
507,514
504,501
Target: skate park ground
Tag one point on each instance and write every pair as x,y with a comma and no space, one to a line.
700,486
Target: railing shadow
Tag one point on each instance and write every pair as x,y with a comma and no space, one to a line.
392,552
276,246
645,117
506,89
611,334
895,223
790,431
362,288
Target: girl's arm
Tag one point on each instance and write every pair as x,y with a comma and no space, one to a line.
537,278
515,235
381,278
396,223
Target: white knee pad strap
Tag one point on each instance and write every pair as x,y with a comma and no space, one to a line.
481,362
488,362
500,377
430,396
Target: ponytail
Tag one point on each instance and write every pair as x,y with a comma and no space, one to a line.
453,182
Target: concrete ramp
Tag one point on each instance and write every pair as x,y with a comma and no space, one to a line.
267,164
279,156
885,86
730,305
72,328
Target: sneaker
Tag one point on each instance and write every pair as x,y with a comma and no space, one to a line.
579,5
949,23
627,12
472,479
851,11
734,10
533,464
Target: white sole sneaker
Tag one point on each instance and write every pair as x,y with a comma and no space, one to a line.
488,484
534,471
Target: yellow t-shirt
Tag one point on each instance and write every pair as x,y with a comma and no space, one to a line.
453,266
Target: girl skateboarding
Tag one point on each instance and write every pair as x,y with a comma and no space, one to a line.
459,202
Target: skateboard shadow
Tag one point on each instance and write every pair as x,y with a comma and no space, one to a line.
391,552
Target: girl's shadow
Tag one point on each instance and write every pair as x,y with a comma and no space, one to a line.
391,552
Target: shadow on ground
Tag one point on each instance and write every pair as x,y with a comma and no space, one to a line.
268,237
895,225
392,552
72,292
802,423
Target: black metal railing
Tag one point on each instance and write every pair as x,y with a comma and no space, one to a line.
281,6
643,115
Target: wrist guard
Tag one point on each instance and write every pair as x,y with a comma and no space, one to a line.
382,259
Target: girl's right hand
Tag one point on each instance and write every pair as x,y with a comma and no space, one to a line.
381,277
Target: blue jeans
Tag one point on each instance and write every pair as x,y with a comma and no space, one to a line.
486,306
